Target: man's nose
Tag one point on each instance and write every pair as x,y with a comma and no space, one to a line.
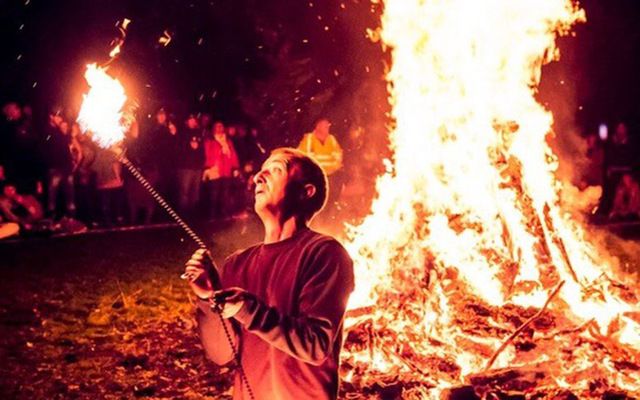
259,177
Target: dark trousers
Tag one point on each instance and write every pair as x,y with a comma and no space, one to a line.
141,205
86,199
217,205
57,180
189,181
111,205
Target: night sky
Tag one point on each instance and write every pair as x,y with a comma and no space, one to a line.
280,64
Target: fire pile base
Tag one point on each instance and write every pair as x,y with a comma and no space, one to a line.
553,358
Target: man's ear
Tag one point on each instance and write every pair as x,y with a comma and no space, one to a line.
309,191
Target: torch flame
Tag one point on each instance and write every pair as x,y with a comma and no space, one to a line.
102,107
471,206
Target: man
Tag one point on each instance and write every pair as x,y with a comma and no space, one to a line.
284,299
221,166
19,156
324,148
190,165
159,156
59,165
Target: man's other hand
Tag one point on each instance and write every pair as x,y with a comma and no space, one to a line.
195,272
229,301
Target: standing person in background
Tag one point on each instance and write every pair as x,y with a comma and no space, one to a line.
160,146
84,176
238,180
59,165
322,146
620,158
138,199
221,161
19,156
205,121
250,158
190,165
109,185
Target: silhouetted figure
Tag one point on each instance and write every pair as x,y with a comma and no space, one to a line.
190,163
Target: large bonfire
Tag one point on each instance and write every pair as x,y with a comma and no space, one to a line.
472,279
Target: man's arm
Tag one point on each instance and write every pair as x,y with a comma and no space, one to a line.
5,208
310,335
305,144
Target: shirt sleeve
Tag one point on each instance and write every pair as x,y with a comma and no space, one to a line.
310,335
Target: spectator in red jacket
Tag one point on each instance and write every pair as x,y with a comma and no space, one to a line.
221,163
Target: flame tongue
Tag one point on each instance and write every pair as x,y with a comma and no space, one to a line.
102,107
470,212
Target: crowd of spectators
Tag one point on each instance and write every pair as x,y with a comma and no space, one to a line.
613,165
55,178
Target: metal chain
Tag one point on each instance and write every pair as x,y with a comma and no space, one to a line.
236,354
173,214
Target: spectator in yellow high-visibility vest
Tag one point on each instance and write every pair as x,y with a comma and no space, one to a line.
323,147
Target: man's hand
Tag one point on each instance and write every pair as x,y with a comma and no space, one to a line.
229,301
195,272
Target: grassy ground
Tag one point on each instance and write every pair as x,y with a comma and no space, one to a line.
106,316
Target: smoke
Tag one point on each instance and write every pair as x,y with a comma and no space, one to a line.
558,91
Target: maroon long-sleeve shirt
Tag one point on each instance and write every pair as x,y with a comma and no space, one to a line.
290,328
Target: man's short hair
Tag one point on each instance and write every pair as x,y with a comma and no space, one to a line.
303,170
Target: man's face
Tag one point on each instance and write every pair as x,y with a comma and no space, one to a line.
64,127
271,183
192,123
218,130
161,117
12,111
55,119
322,129
10,191
621,133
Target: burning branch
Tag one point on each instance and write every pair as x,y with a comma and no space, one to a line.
523,326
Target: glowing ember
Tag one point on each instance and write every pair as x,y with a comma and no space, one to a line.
467,238
102,107
165,39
